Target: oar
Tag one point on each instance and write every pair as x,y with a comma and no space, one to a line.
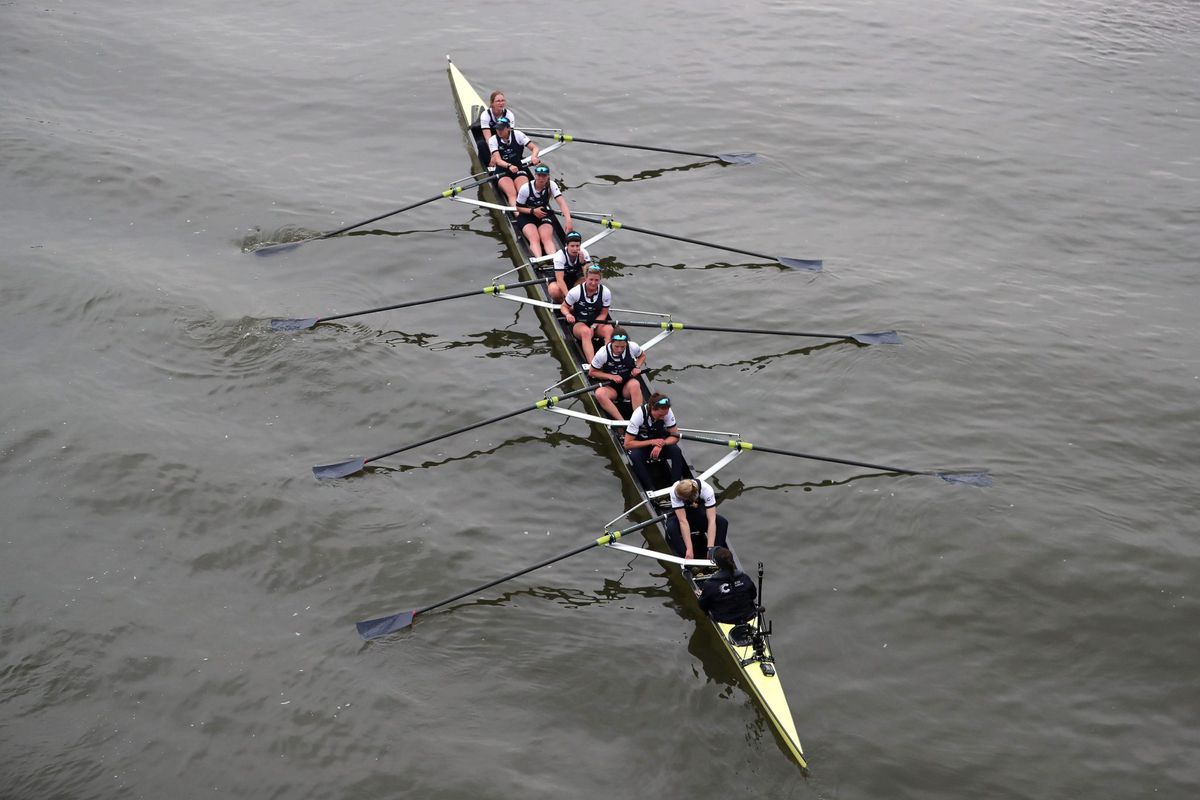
271,249
969,478
810,264
305,324
374,628
342,469
728,158
883,337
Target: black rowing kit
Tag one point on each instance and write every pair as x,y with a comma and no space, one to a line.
587,309
510,151
622,366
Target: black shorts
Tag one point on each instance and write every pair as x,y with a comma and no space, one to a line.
506,173
526,219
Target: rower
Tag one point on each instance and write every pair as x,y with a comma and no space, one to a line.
506,148
695,526
651,435
620,361
569,265
497,108
728,595
586,310
534,217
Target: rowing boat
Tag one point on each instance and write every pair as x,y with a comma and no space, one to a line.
748,644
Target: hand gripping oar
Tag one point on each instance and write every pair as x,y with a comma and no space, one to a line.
374,628
969,478
810,264
883,337
305,324
272,249
342,469
728,158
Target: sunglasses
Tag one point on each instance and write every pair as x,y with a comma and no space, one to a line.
663,401
620,337
541,170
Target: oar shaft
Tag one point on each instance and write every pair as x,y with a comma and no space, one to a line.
566,137
735,444
546,403
615,225
679,326
500,287
451,192
603,540
418,204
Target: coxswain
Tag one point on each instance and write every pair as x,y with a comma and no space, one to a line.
695,527
569,265
497,108
652,435
507,147
534,217
620,361
728,595
586,310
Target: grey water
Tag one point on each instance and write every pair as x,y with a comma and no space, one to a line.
1012,186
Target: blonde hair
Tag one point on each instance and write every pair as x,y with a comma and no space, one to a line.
686,491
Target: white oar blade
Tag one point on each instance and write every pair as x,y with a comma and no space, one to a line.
374,628
966,478
340,469
883,337
274,249
294,324
809,264
739,158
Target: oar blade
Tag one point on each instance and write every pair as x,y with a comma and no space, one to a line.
808,264
966,478
739,158
340,469
294,324
883,337
276,249
374,628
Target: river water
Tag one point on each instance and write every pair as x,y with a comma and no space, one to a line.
1013,186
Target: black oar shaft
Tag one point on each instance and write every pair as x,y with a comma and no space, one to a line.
374,628
608,222
600,542
451,192
736,444
545,403
566,137
679,326
280,247
494,289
